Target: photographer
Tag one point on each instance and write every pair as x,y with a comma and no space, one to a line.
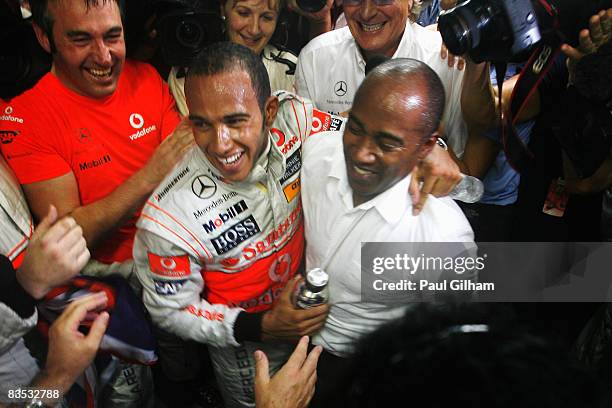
331,67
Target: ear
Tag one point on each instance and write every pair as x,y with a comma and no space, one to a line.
42,38
428,145
271,109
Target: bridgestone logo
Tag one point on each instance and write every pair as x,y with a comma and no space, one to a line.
11,118
225,216
143,132
235,235
171,184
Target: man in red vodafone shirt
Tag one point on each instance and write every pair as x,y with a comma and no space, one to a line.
91,136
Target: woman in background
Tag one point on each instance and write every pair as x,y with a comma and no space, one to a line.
251,23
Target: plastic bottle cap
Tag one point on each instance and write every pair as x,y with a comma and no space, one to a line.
317,277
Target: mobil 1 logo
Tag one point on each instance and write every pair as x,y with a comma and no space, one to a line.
225,216
235,235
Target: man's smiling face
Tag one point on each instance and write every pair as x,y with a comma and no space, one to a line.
89,49
378,29
227,121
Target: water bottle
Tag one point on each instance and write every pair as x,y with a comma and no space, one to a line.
469,189
312,291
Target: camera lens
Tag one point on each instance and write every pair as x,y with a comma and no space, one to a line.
189,33
459,30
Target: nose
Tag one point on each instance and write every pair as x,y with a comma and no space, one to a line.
368,9
364,152
222,142
253,27
101,52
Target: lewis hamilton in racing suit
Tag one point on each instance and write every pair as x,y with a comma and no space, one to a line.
221,239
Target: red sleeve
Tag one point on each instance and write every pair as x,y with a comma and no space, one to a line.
33,155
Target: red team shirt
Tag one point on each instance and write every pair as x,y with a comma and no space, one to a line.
50,131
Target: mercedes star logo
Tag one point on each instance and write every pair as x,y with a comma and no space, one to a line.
203,187
340,88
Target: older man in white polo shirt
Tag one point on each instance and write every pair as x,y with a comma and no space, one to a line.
331,67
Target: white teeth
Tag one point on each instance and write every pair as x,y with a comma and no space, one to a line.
371,27
231,159
100,72
362,171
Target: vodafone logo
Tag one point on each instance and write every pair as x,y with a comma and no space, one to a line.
279,270
316,124
169,266
279,135
7,115
136,120
168,263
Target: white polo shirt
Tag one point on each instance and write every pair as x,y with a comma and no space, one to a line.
329,213
331,68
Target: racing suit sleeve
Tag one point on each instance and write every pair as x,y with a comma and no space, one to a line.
17,308
172,287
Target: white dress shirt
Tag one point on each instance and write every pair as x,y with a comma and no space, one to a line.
328,214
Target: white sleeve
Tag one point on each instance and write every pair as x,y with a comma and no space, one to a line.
456,128
304,76
13,327
172,284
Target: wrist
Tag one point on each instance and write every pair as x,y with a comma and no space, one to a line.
144,184
52,380
35,291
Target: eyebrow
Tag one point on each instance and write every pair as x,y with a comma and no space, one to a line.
230,116
81,33
385,135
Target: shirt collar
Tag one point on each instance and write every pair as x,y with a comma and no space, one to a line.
391,204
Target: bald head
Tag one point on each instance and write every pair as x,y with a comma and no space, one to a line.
392,125
405,84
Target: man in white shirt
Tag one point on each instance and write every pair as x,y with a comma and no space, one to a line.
331,67
354,190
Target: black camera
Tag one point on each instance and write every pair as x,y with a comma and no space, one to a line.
505,30
185,28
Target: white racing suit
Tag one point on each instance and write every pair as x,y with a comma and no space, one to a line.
17,366
207,250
